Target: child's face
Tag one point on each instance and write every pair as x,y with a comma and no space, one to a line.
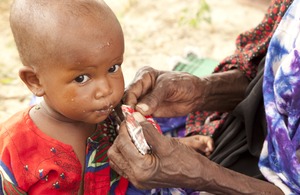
85,81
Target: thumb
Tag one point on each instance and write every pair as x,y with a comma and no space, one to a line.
150,103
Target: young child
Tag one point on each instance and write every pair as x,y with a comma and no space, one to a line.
72,52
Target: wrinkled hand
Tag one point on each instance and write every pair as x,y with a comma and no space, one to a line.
175,165
152,170
164,93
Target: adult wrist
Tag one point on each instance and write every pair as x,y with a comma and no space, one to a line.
222,91
216,179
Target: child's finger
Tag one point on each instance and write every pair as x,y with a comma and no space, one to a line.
210,145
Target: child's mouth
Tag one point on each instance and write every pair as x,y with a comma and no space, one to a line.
106,110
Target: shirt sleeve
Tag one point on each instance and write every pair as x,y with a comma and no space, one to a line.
7,183
252,45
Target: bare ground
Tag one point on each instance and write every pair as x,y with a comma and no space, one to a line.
155,32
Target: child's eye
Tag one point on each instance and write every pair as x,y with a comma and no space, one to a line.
82,79
114,68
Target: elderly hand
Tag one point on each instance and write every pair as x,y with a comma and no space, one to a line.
173,164
152,170
164,93
170,93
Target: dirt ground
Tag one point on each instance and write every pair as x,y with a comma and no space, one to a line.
155,33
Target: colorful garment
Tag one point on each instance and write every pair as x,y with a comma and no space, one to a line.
251,48
34,163
280,159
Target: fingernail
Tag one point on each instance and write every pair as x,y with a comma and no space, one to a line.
143,107
138,117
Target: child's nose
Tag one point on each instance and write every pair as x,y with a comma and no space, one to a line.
103,89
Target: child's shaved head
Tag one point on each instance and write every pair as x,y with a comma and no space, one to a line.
39,26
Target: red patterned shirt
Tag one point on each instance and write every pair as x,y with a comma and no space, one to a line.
34,163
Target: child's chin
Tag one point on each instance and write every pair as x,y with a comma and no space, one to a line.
98,119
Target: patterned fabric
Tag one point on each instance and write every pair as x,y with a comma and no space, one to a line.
34,163
279,160
251,47
204,123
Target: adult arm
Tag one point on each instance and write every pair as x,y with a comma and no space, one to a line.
170,93
191,170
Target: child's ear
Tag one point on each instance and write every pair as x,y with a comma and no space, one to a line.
30,78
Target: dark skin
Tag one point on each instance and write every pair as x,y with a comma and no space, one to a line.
191,170
169,94
67,72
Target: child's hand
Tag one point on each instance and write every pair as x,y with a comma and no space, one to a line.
200,143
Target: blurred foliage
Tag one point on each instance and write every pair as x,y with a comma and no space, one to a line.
193,16
6,81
